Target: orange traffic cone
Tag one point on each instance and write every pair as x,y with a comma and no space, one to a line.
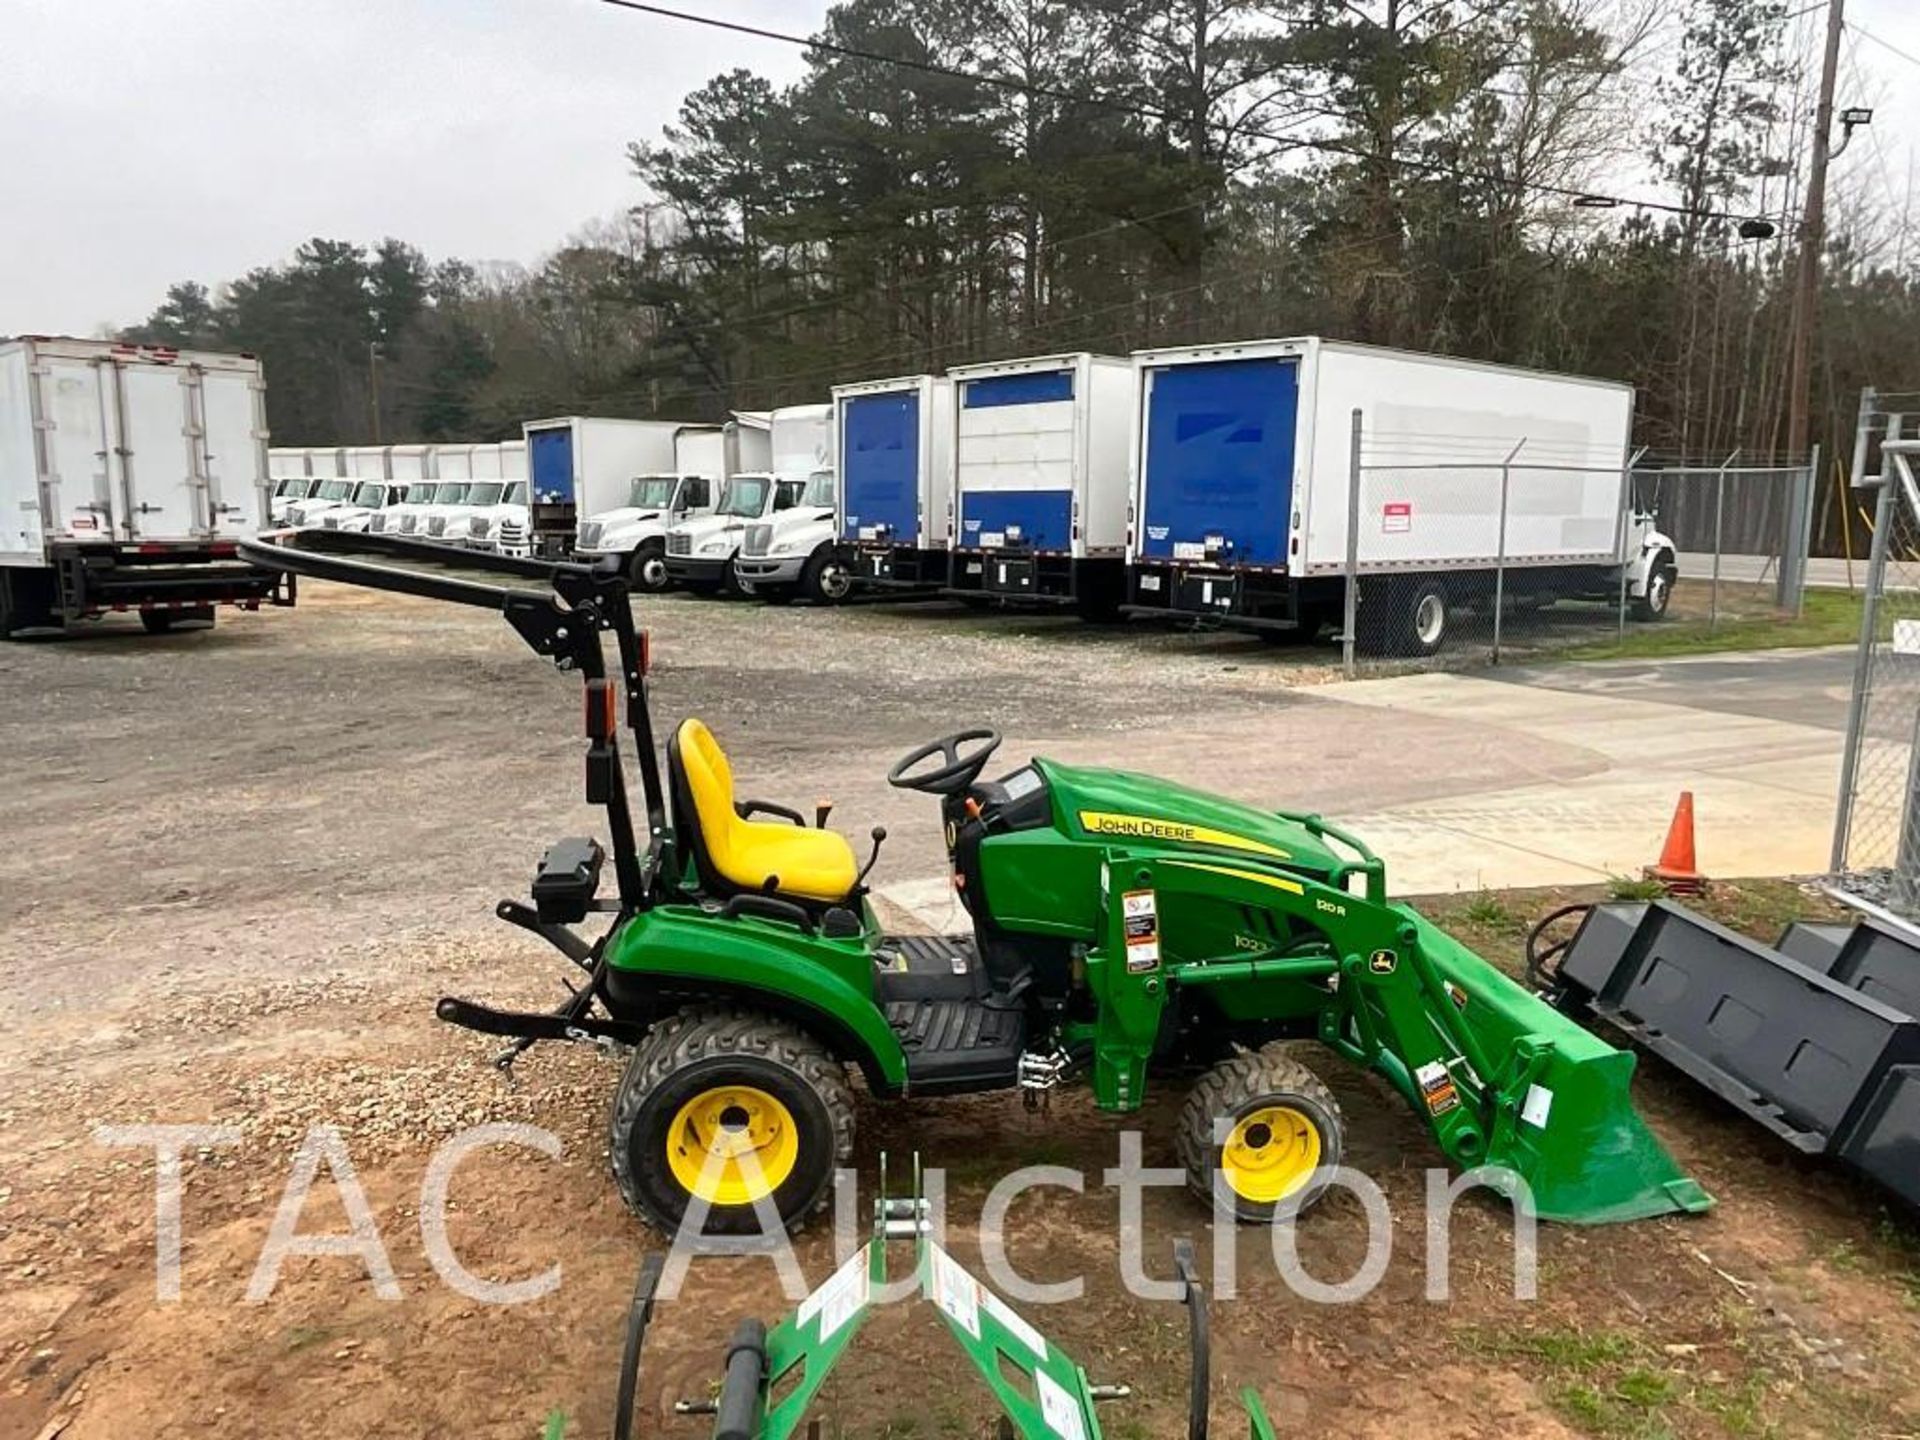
1675,868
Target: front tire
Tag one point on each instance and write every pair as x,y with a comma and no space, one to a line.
647,569
737,1108
827,578
1652,605
1268,1128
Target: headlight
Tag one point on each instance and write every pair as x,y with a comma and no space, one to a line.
719,545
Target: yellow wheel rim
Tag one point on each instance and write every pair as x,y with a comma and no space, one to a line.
1270,1154
732,1145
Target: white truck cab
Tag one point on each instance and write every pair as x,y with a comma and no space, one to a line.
325,496
793,553
355,515
449,499
638,530
501,525
703,551
286,493
403,513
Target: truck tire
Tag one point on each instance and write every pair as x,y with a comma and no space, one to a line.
712,1085
827,578
647,568
1659,595
1420,616
1267,1127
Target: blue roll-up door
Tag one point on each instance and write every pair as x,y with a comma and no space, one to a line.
1219,462
550,464
880,465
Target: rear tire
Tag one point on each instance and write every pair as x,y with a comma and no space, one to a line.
827,578
1420,617
710,1085
647,569
1268,1127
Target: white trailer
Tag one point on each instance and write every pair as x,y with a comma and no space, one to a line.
408,463
895,498
127,475
800,440
1040,479
791,553
580,467
1243,480
513,459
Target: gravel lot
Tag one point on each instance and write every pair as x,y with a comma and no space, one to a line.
244,863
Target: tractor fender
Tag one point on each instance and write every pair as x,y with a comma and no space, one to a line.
664,957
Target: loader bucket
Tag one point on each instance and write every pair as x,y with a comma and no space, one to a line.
1557,1109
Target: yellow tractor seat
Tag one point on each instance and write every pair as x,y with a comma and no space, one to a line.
733,853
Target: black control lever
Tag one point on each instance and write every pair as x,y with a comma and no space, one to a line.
879,833
821,809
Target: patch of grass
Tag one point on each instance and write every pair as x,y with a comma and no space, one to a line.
299,1337
1602,1381
1628,887
1830,617
556,1427
1488,911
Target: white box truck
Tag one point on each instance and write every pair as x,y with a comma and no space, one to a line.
895,504
703,539
795,554
1040,451
127,474
582,467
1242,482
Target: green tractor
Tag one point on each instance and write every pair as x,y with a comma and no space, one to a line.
1122,927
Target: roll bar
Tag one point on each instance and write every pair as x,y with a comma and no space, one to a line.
561,616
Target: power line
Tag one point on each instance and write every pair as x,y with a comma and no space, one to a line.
1588,198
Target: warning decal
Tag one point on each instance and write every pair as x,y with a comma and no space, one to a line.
1396,517
1140,916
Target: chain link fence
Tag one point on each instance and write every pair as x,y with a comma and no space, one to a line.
1469,549
1876,842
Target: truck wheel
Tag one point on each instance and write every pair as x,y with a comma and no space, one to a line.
647,568
733,1107
1267,1127
730,579
1653,604
1421,615
827,578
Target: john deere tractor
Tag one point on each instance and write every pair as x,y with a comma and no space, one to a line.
1123,929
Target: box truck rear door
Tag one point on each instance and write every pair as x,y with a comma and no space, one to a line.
161,435
1014,460
550,462
76,404
228,406
882,466
1219,467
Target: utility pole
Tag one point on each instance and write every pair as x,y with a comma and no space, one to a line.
1806,283
374,357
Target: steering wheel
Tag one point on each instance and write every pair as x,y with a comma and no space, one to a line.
959,771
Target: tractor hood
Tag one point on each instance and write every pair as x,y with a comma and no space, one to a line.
1118,806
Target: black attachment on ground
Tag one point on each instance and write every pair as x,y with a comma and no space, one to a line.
738,1413
639,1315
1543,960
1199,1379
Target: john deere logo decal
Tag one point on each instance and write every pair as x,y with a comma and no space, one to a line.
1383,962
1148,827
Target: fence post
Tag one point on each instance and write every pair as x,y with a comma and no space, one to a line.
1500,559
1719,519
1626,531
1863,656
1353,553
1799,537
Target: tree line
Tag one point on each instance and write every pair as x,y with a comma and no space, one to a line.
1146,173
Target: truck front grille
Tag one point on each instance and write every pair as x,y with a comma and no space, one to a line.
757,539
679,544
437,525
590,532
409,523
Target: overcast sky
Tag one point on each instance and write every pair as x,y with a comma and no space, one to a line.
155,140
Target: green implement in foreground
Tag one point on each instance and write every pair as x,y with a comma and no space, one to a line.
773,1378
1122,930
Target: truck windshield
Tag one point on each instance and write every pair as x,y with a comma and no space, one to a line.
819,489
370,495
336,490
516,494
420,494
652,492
787,494
450,492
485,492
746,494
292,487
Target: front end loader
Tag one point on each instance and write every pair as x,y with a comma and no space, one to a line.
1124,930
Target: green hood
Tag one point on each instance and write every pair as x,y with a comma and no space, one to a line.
1121,808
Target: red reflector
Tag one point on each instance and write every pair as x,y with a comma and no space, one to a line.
646,653
151,549
225,548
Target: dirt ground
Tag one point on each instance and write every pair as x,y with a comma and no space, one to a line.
243,864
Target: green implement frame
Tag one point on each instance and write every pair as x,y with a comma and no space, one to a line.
1051,1398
